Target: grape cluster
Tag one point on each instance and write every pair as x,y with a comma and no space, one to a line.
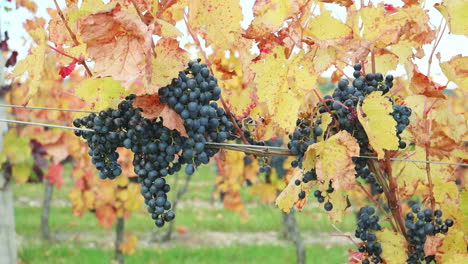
328,206
192,95
367,223
304,135
363,172
419,224
159,151
401,115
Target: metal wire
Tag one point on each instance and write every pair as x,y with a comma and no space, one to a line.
47,108
42,124
251,149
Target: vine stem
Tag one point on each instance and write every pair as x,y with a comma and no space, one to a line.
63,53
373,61
393,198
326,106
427,146
72,35
208,62
435,47
334,101
369,196
153,48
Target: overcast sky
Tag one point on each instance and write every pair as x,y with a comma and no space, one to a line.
450,45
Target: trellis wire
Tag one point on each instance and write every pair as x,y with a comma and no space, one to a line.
47,108
43,124
250,149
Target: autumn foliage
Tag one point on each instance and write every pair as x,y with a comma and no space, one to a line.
91,55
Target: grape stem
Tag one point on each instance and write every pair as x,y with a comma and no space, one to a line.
427,146
373,61
326,106
343,234
393,196
334,101
72,35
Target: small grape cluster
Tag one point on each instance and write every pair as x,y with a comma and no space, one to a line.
401,115
304,135
328,206
367,223
419,224
159,151
362,171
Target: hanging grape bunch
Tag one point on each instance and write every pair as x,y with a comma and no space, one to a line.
342,105
159,151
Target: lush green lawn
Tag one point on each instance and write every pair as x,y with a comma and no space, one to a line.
235,254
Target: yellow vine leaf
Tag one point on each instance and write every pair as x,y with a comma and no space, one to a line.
340,204
269,16
454,244
266,192
211,17
33,64
335,156
21,172
456,70
78,205
280,84
452,210
385,60
289,196
443,190
326,119
375,118
393,245
455,12
410,174
128,246
167,30
101,93
86,8
325,27
16,149
169,60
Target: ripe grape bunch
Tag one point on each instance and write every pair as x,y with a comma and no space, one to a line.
159,151
367,224
419,224
342,105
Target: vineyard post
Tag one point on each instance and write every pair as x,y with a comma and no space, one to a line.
48,191
7,217
119,231
291,232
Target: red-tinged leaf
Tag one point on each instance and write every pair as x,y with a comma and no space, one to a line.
345,3
354,257
118,41
66,70
182,230
422,84
432,244
4,42
11,61
106,215
153,108
390,8
55,175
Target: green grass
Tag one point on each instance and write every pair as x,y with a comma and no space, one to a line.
262,218
233,254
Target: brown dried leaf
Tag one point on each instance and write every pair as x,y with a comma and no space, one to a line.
153,108
118,41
